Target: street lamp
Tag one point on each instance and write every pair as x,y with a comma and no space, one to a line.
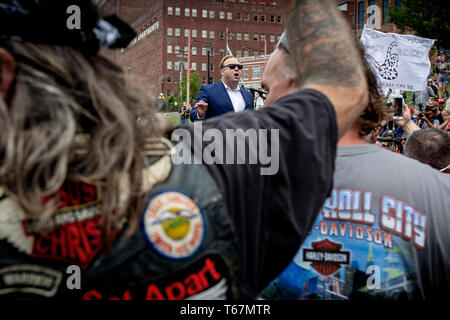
208,51
162,86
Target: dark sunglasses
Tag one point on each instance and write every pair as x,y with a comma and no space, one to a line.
232,66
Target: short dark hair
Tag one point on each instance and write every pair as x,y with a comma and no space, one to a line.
430,146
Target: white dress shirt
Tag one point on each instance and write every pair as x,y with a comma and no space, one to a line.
236,98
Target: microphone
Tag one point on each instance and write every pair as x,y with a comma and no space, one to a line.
262,94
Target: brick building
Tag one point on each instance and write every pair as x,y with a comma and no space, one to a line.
163,26
356,14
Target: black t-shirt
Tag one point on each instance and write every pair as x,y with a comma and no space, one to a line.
272,214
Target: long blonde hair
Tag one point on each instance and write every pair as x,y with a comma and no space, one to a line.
73,116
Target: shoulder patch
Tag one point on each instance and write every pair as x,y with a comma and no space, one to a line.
34,279
173,224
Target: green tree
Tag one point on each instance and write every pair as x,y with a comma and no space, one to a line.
194,86
428,18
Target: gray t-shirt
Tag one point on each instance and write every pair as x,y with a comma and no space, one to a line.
384,232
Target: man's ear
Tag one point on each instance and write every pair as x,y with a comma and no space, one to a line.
7,71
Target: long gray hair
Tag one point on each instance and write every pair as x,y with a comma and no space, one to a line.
73,116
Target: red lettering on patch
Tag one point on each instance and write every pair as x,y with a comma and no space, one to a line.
76,243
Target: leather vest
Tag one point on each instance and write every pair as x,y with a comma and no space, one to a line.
185,247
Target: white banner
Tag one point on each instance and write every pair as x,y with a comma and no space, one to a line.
400,61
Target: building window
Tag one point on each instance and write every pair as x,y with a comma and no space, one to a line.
204,34
256,73
186,33
186,50
169,31
211,67
194,66
256,53
169,11
272,38
194,33
204,67
186,12
255,17
263,18
239,16
169,92
245,74
272,19
169,49
245,53
222,15
203,79
177,32
262,37
169,79
245,36
203,51
238,53
222,52
211,34
177,50
177,11
279,19
398,3
169,65
385,11
194,51
221,35
238,36
177,65
229,16
204,13
255,36
194,12
245,16
360,15
211,14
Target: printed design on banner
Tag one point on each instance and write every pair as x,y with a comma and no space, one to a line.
174,225
29,279
326,257
205,279
72,234
388,70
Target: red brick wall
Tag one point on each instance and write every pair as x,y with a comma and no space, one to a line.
148,57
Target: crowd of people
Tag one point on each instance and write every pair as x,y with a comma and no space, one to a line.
87,177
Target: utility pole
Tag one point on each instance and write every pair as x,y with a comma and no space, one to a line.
182,55
188,103
208,51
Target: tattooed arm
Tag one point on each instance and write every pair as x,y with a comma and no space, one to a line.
326,56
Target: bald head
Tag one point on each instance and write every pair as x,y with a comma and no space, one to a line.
279,77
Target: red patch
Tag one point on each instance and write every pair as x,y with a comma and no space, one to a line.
73,233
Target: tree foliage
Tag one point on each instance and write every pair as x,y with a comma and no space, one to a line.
428,18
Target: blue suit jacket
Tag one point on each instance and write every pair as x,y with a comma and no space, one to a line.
216,96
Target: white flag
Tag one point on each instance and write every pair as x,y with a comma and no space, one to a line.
399,61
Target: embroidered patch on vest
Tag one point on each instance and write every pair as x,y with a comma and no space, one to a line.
207,278
29,279
173,224
72,234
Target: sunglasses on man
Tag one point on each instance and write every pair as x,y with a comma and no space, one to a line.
233,66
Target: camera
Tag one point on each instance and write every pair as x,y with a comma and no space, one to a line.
421,115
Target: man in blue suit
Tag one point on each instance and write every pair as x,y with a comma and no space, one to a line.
223,96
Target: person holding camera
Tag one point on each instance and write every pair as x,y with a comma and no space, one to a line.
427,119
